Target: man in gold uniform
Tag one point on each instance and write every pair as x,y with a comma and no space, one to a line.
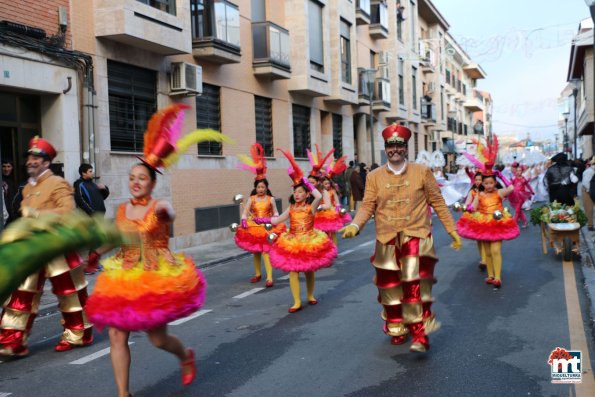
46,192
399,194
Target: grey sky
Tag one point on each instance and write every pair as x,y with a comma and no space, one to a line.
524,47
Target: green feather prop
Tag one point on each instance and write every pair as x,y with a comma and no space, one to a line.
30,243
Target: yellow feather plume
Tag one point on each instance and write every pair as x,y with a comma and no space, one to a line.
193,138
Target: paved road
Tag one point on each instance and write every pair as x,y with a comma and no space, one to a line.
492,343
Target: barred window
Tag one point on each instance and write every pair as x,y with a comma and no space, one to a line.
132,98
301,130
208,115
338,135
264,123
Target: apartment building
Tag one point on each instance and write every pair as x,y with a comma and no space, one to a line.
41,80
288,74
577,96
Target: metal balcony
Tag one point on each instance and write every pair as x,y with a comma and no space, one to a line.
215,31
270,50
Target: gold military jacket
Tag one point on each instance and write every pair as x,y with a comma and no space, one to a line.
399,203
50,193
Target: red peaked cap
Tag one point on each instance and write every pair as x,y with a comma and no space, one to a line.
40,147
396,133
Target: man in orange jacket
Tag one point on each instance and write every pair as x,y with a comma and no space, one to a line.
397,195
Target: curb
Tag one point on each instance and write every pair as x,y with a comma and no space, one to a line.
588,281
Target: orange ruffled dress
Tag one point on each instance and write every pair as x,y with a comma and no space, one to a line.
303,248
330,221
254,238
145,285
481,225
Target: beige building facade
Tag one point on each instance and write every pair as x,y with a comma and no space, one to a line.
288,74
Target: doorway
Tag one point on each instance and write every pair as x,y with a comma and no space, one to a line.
20,120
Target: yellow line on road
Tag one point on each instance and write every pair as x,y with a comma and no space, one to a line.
578,340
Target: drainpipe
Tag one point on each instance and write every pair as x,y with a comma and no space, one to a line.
88,138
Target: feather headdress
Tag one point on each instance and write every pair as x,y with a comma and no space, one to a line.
336,167
255,163
317,161
163,144
438,159
486,156
294,171
423,157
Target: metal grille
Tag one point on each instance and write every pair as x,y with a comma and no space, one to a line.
132,93
264,123
301,130
208,115
338,135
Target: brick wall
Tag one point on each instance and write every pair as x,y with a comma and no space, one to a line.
38,14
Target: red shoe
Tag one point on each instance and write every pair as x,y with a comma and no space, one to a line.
90,270
490,280
497,284
294,309
189,363
269,283
312,302
255,279
20,351
64,346
398,340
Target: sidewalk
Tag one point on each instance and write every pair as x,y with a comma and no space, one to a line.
204,255
588,270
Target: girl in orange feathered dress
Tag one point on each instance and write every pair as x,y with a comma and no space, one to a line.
261,204
303,248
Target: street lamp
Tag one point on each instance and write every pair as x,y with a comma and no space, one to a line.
591,5
565,138
574,84
369,76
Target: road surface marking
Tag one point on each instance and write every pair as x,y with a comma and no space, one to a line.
248,293
191,317
5,394
345,252
94,356
286,277
366,244
578,340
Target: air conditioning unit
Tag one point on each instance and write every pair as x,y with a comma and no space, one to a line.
383,57
185,79
430,88
383,72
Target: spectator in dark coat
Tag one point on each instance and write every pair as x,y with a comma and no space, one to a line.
348,173
90,197
9,189
357,187
561,180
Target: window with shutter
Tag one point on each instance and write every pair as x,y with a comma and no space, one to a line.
132,98
208,115
264,123
338,135
301,130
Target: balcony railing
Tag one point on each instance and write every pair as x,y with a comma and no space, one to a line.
362,12
215,30
379,19
168,6
428,111
270,44
381,100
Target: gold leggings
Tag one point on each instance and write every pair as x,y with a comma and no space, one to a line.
493,255
294,284
482,253
267,265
